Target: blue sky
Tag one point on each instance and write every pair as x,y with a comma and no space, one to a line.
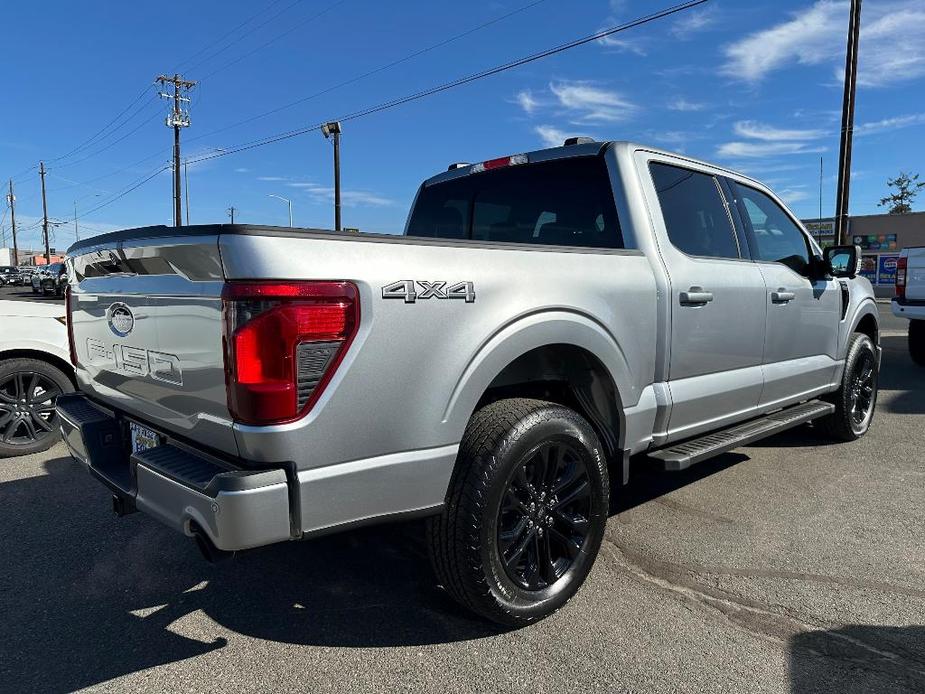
753,85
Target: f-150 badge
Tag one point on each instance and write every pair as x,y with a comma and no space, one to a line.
415,290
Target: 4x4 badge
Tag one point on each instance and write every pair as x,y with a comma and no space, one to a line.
406,290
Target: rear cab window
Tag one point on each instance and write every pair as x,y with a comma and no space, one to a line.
564,202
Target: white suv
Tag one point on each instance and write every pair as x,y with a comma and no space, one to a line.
909,301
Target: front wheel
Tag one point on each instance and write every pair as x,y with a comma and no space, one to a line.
917,341
856,398
525,513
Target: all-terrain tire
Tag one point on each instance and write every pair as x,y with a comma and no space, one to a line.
856,398
507,444
917,341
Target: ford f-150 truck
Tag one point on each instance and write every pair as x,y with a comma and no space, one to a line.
546,321
909,301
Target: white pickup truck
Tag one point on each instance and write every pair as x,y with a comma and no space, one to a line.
547,320
909,301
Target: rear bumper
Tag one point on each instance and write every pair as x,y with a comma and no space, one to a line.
913,310
235,508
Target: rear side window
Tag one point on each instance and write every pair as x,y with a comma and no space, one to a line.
777,237
567,202
694,212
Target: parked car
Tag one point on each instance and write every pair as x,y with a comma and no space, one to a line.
9,275
545,317
50,280
909,301
34,371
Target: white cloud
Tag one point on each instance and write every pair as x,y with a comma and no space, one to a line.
592,104
551,136
889,124
767,133
693,21
623,45
350,198
242,169
682,104
525,99
792,195
765,149
271,178
891,47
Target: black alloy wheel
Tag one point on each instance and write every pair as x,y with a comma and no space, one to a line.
29,390
544,517
863,384
27,407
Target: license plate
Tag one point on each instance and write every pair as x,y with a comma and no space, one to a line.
142,438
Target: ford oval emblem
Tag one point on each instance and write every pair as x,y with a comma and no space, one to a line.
121,320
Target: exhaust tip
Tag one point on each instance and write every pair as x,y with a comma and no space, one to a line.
210,552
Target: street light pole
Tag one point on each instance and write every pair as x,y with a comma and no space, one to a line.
329,129
76,232
285,200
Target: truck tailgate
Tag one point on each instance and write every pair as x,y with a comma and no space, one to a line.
915,274
147,327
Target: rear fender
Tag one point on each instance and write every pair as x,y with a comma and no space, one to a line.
528,333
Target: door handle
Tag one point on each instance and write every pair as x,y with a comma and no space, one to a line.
782,296
695,296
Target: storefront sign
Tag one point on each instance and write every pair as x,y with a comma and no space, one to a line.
869,268
876,242
887,268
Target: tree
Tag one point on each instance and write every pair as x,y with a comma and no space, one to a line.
907,187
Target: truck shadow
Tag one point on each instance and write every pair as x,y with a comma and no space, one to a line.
902,381
88,597
858,658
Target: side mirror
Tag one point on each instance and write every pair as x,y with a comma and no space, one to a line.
843,261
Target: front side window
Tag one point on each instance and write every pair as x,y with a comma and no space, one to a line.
566,202
694,212
777,238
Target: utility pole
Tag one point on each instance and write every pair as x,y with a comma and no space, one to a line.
186,191
230,212
329,129
176,119
820,191
847,124
11,199
44,214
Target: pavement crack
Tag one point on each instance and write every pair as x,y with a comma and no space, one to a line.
776,625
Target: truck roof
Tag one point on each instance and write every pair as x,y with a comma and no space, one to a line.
582,149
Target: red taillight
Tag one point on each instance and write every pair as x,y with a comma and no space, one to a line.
499,163
69,311
901,264
283,342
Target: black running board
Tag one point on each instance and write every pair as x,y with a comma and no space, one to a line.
683,455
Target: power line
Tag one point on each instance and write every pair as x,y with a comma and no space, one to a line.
374,71
99,132
276,38
417,95
251,31
184,65
461,80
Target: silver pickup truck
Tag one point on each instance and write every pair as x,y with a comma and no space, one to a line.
547,321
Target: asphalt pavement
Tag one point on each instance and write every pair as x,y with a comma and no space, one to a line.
793,565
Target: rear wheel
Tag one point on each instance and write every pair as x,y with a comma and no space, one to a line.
917,341
856,399
525,514
29,389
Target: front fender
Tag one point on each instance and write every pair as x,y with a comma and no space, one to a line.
539,330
